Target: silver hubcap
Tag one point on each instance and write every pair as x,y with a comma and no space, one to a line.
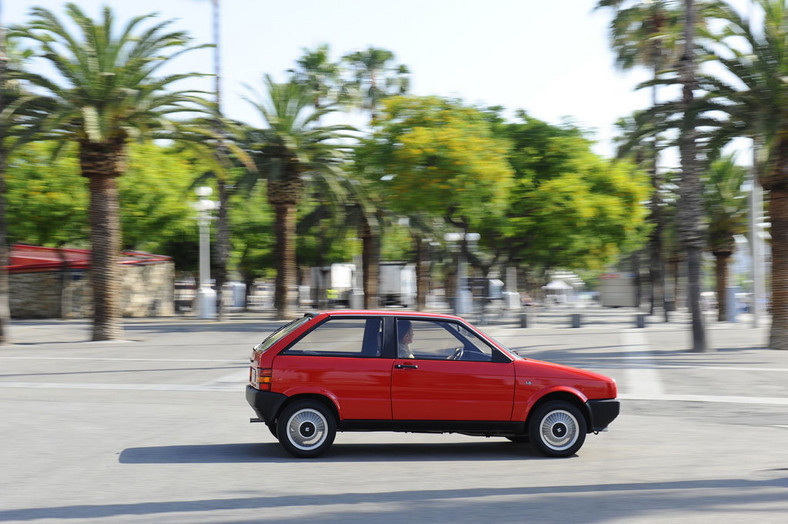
306,429
559,430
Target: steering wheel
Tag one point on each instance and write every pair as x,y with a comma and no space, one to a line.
457,354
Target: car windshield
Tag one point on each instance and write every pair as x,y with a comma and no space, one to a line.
280,333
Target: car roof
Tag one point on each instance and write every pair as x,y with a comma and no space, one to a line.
386,312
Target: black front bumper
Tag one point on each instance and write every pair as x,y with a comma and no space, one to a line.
602,412
265,403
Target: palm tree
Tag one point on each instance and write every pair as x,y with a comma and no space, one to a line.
322,76
292,146
756,107
107,93
5,311
690,204
726,210
5,121
648,34
375,78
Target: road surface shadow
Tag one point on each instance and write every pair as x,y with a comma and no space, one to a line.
273,452
572,503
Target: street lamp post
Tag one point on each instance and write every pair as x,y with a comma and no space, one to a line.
463,302
206,296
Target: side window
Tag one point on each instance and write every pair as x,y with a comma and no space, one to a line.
475,348
342,337
425,339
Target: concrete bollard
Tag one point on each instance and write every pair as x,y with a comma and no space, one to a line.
640,320
524,319
575,320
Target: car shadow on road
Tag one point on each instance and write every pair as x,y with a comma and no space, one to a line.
652,501
274,453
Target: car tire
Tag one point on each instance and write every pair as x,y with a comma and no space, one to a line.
306,428
557,429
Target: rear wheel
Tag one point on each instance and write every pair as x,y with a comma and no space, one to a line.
557,429
306,428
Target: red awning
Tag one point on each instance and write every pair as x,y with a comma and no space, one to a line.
28,259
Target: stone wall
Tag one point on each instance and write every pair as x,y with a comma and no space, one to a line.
147,291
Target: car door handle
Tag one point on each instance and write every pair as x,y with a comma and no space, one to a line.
406,366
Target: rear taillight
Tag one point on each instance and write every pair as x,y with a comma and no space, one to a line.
263,380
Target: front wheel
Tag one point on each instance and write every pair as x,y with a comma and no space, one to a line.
557,429
306,429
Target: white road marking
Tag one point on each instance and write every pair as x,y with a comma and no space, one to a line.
230,381
642,380
721,399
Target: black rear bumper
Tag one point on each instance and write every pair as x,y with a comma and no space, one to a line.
602,412
265,403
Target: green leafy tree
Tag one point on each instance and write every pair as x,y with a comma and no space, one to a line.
292,146
106,93
432,156
568,208
253,245
726,211
46,197
17,107
155,196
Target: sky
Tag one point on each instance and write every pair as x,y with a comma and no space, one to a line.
550,58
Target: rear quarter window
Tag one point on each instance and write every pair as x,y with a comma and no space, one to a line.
348,337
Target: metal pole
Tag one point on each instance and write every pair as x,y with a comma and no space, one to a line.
217,56
206,296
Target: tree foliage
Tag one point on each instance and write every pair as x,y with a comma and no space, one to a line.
46,198
438,156
568,207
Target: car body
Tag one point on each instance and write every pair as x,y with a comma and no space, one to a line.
417,372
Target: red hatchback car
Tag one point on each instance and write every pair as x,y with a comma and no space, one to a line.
417,372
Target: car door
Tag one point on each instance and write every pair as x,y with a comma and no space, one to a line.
444,371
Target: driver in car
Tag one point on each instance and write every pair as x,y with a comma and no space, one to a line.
405,338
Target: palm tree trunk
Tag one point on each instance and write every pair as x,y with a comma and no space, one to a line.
690,206
370,260
222,245
656,266
778,210
5,308
105,240
285,253
721,263
101,164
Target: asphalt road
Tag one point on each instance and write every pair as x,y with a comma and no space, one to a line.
155,429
